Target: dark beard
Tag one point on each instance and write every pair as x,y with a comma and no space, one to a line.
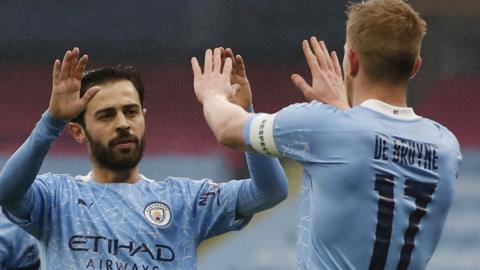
117,160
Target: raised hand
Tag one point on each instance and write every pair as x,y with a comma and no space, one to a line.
327,81
65,101
242,97
214,80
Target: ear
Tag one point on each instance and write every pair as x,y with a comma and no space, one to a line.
144,110
77,132
416,67
353,62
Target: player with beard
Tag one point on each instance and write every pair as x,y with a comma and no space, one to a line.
116,218
378,179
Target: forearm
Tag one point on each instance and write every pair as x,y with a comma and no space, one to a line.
226,120
22,167
267,187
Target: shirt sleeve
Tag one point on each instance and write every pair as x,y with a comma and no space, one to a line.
291,132
22,167
215,209
18,250
25,202
34,212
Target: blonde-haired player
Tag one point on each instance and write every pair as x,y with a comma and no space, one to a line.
378,179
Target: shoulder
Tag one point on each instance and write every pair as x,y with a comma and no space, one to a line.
55,176
310,107
53,181
445,135
186,184
313,115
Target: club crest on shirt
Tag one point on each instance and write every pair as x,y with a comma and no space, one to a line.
158,214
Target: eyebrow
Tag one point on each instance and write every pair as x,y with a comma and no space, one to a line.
112,109
129,106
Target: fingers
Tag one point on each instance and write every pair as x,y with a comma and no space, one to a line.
317,49
207,66
311,59
240,66
301,84
229,53
325,60
227,68
56,71
65,67
220,61
80,68
217,60
197,70
73,64
336,64
223,55
91,92
326,55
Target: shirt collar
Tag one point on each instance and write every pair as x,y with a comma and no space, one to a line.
88,178
403,113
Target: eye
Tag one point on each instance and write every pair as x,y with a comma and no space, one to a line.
106,116
130,112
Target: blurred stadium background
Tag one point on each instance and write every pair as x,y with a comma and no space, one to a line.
159,37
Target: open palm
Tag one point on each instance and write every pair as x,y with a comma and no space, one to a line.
65,101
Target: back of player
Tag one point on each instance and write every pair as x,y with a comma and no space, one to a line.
377,185
378,179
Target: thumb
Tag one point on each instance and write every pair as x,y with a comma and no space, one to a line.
301,84
91,92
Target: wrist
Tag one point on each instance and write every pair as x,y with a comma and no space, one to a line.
213,96
50,118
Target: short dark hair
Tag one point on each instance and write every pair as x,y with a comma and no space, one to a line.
109,74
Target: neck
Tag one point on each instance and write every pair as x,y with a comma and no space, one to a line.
364,89
106,176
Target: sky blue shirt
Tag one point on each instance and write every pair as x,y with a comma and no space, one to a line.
149,225
377,185
18,249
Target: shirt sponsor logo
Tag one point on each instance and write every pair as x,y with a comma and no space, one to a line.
158,214
102,244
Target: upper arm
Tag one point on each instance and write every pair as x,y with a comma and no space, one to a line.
292,132
215,208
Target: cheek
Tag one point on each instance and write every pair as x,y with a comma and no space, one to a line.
140,125
100,134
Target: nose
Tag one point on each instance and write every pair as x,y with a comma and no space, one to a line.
122,122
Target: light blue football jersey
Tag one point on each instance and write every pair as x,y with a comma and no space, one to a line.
377,185
149,225
18,249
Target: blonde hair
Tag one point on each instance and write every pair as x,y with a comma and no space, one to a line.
387,35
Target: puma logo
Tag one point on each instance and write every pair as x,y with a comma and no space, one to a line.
82,202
